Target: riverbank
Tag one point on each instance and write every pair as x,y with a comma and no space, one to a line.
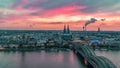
32,49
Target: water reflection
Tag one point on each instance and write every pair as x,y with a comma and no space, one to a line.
111,55
55,58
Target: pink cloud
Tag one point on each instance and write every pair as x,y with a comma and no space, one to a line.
24,1
64,10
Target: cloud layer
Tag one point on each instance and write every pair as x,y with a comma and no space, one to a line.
51,14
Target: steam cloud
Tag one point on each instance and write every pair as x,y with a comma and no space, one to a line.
103,19
92,20
102,23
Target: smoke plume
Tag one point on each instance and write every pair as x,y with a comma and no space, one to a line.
102,23
103,19
92,20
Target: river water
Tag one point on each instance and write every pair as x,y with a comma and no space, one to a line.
114,56
51,58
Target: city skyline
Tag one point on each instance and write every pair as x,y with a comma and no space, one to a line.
52,15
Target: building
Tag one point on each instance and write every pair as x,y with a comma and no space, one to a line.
66,35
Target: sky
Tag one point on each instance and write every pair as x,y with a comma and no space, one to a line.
53,14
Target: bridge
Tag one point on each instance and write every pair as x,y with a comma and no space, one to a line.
90,59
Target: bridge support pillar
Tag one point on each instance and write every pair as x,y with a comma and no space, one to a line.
85,61
75,51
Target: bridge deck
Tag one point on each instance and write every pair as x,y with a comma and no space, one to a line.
94,60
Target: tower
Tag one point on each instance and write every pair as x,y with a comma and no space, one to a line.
64,31
66,36
99,29
68,30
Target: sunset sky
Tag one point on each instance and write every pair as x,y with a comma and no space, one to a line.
53,14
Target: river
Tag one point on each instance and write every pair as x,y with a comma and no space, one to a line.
112,55
50,58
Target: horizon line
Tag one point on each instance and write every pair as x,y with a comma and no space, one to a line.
52,30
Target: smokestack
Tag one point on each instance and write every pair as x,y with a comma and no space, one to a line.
92,20
99,29
83,28
101,24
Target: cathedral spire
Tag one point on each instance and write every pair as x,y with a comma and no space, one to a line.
64,31
67,35
68,30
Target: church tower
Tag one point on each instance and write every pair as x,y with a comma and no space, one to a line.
66,36
64,31
68,30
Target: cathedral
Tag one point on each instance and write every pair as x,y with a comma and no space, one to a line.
66,35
